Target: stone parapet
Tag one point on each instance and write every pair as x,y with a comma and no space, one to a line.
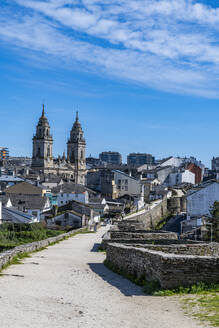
180,266
138,237
146,235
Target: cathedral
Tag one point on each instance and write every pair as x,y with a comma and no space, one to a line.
73,166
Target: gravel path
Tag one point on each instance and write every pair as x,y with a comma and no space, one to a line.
67,285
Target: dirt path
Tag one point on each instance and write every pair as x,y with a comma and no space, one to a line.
67,285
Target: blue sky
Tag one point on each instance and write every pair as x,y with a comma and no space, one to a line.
144,74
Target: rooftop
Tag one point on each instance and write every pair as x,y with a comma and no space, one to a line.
24,188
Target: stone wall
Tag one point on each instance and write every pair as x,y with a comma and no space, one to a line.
6,257
136,237
146,235
151,218
170,269
176,205
186,249
130,225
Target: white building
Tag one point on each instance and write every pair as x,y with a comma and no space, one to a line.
126,184
70,191
178,161
201,199
184,176
172,161
52,182
8,213
65,197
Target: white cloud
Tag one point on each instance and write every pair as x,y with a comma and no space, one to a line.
166,44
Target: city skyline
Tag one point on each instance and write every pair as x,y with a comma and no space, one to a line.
143,81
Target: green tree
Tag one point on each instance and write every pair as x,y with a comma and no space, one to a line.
215,220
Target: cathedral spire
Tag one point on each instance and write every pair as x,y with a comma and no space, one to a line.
43,111
76,147
42,144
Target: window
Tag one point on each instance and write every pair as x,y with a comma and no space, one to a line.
126,188
119,181
34,213
126,181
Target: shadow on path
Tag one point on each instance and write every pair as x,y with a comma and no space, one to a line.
125,286
95,247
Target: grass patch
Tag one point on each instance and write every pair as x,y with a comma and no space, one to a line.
163,221
204,307
199,288
86,231
101,249
12,234
17,259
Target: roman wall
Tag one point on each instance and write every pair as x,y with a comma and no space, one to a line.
170,269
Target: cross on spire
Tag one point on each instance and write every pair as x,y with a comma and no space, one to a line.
43,112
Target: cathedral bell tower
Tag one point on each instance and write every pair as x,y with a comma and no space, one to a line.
42,145
76,147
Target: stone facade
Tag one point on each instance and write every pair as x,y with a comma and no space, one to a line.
76,147
74,166
42,144
183,266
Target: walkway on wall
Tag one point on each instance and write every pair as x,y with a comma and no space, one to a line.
143,211
68,286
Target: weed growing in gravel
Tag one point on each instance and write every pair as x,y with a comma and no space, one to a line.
198,288
15,260
87,231
204,307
